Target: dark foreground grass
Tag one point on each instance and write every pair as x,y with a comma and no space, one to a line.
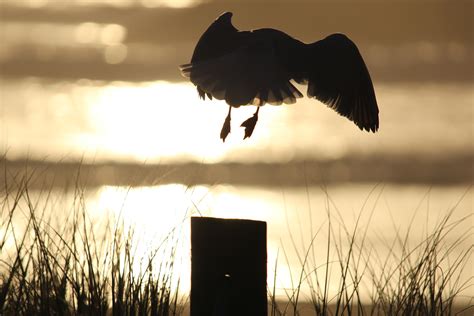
76,266
402,279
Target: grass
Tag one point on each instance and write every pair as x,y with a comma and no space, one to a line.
78,266
420,279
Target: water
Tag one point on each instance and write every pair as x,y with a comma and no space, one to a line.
422,123
164,122
296,217
160,121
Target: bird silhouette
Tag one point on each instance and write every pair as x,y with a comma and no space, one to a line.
257,67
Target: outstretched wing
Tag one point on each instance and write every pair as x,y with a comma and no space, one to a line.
337,76
239,67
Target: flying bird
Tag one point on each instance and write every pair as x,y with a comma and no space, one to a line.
258,67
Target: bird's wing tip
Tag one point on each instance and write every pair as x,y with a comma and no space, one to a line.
184,66
185,70
226,16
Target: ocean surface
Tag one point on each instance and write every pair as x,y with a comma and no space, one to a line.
385,221
153,123
167,122
98,88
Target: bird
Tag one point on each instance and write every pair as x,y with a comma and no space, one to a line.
259,67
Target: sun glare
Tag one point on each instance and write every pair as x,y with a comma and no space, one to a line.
153,213
157,216
160,121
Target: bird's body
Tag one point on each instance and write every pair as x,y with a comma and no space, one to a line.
256,67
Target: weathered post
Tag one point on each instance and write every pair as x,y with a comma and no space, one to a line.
228,267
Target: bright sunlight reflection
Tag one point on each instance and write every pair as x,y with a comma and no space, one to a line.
293,219
159,120
167,122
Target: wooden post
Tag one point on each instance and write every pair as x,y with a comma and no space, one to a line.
229,267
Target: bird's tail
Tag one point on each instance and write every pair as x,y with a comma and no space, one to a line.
241,78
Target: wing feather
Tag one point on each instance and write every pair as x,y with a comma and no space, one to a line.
338,77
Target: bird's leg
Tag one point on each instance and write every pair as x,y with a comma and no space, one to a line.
250,123
226,126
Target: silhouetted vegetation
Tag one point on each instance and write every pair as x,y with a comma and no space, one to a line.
76,266
420,279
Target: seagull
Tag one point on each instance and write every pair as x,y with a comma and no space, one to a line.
259,67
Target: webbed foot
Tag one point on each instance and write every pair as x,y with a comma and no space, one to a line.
226,127
249,125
